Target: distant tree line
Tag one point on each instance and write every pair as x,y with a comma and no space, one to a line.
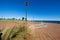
9,19
12,18
2,18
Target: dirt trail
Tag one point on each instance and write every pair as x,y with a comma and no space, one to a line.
51,32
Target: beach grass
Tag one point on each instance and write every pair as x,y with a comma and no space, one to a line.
13,32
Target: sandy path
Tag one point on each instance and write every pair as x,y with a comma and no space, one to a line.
51,32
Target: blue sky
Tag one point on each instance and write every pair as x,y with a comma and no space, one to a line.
37,9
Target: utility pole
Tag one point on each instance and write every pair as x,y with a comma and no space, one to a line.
26,3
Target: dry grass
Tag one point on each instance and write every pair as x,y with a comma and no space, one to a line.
13,32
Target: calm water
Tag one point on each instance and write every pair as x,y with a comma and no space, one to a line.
58,22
